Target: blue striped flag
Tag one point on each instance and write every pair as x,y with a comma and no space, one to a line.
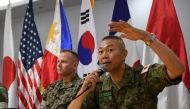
121,12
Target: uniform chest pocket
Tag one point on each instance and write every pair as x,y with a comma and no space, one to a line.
106,100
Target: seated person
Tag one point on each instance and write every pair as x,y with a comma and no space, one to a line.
3,96
59,94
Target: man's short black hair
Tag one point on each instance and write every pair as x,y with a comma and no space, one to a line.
121,44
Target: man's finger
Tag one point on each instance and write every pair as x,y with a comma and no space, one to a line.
122,35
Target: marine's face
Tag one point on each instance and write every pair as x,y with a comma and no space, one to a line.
66,64
110,55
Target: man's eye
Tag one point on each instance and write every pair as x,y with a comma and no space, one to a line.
100,52
110,50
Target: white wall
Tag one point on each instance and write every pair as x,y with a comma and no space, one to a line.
139,10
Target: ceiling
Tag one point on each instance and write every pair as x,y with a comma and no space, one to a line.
48,5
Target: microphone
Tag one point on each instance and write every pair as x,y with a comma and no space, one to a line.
103,70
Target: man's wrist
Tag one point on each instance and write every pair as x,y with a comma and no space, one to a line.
146,36
152,38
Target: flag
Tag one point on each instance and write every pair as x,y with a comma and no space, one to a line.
58,38
9,68
121,12
87,43
164,23
29,63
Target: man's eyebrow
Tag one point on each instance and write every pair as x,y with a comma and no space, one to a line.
105,46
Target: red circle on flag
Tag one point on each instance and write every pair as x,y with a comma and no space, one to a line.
9,72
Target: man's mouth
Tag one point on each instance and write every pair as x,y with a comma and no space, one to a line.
105,63
58,69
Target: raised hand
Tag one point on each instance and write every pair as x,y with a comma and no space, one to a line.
128,31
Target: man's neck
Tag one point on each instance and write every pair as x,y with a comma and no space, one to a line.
117,75
68,78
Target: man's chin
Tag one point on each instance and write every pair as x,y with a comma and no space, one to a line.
63,75
58,73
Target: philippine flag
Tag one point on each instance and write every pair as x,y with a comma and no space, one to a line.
58,38
87,44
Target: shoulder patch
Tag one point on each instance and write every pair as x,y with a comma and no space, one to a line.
145,69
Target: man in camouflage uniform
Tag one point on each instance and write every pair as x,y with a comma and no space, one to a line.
3,96
126,87
60,93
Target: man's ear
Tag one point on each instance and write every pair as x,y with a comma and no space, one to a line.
75,65
124,53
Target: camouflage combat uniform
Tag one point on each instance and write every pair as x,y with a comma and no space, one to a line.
3,96
59,94
137,90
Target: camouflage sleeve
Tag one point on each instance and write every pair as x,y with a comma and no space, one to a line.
46,92
44,95
158,79
3,105
43,105
3,93
89,102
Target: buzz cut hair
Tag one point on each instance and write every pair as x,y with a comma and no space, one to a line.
120,41
72,52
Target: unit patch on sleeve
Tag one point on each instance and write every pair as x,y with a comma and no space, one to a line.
145,69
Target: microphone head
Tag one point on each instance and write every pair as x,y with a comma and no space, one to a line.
103,69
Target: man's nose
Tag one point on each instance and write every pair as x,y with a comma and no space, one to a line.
105,55
58,63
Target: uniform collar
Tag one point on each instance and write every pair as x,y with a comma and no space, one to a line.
62,85
128,78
